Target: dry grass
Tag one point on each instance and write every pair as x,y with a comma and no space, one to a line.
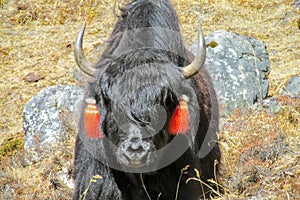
261,153
37,36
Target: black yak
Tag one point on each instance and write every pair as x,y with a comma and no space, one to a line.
149,121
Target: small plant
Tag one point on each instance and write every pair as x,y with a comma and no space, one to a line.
182,171
197,178
10,146
93,180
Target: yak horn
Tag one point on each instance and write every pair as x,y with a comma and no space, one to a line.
199,60
81,60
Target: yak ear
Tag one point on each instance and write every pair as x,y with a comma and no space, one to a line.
92,120
179,122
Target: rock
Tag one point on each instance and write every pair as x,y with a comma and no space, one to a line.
32,77
42,121
270,105
239,67
297,4
292,87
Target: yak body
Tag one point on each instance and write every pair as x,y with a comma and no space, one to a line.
133,76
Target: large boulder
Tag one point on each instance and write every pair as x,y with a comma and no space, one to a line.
239,67
43,117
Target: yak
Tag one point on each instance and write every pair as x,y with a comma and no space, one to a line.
148,126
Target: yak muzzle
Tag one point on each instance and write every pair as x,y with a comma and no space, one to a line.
135,152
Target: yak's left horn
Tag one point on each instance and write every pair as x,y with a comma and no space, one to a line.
199,60
80,58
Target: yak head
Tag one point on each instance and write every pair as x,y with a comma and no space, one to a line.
143,97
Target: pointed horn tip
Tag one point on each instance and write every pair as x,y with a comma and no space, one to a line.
80,58
198,62
81,32
83,26
201,38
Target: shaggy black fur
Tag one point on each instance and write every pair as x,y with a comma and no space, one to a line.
132,81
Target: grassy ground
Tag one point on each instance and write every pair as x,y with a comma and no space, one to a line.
261,153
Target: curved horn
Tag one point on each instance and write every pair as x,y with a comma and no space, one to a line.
81,60
199,60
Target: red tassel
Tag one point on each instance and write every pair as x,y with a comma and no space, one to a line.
179,123
92,120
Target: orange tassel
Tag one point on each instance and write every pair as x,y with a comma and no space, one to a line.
92,120
179,123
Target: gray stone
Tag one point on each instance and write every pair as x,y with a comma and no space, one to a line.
297,4
270,105
292,87
42,121
239,67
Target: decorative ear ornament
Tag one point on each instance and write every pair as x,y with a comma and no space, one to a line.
179,122
92,120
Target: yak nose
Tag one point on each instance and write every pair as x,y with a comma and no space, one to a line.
136,146
136,151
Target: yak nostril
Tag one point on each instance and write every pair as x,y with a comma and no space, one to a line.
136,148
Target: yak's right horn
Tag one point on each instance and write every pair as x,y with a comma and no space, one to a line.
80,58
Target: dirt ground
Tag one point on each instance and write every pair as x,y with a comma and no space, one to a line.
261,153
